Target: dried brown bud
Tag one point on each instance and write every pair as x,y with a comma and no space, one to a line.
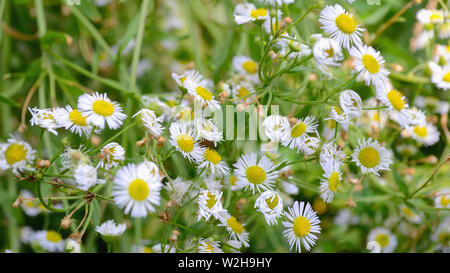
431,159
161,141
350,203
287,20
141,143
42,164
65,222
397,68
18,202
95,140
312,77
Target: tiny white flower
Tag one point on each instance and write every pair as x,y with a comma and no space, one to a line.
371,157
426,133
111,155
350,103
385,239
247,12
85,177
110,231
16,154
44,118
276,127
182,138
270,204
99,110
212,161
72,120
50,240
331,181
150,121
235,228
369,64
209,204
209,246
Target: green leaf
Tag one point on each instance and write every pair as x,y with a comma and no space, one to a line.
8,101
95,212
52,37
129,34
400,182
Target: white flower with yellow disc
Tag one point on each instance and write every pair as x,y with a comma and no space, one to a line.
371,157
16,154
99,110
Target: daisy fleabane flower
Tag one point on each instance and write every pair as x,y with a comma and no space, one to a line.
247,12
331,181
442,199
49,240
44,118
199,88
410,215
99,110
301,226
180,79
207,130
426,133
275,127
350,103
371,157
244,65
182,138
441,235
440,75
85,177
235,228
298,133
341,26
212,160
392,98
150,121
110,231
369,64
385,239
209,246
72,120
111,155
270,204
136,190
256,174
327,52
16,154
209,204
331,152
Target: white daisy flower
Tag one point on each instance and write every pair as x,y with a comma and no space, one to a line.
426,133
85,177
292,48
207,130
246,12
178,188
16,154
276,127
331,181
298,133
110,231
426,16
212,161
161,109
279,2
327,52
99,110
310,145
371,157
441,236
209,204
235,183
301,227
270,204
182,138
29,207
199,88
72,246
71,158
410,215
235,228
443,199
385,239
350,103
256,174
246,66
369,64
72,120
338,115
341,26
331,152
392,98
289,187
180,79
440,76
243,90
26,235
409,117
49,240
444,30
44,118
150,121
136,190
209,246
345,218
441,55
111,155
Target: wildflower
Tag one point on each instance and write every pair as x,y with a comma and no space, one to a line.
29,207
327,52
369,64
276,127
199,88
44,118
50,240
298,133
99,109
150,121
111,155
207,130
392,98
136,190
301,226
110,231
85,177
16,154
350,103
270,204
182,138
341,26
371,157
209,204
256,174
443,199
209,246
385,239
72,246
331,182
331,153
441,236
244,13
426,133
235,228
72,120
212,160
410,215
440,76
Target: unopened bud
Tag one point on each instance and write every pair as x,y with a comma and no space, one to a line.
95,140
161,141
312,77
141,143
397,68
431,159
287,20
18,202
350,203
405,134
65,222
42,163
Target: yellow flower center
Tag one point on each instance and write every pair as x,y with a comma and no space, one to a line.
235,226
338,110
421,131
334,181
369,157
272,202
446,77
182,80
396,99
185,143
211,200
301,226
436,16
242,92
257,13
250,66
76,117
15,153
408,212
138,189
103,108
204,93
376,116
445,201
255,174
212,156
371,64
233,180
444,239
208,247
382,239
298,130
330,52
346,23
147,249
53,236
